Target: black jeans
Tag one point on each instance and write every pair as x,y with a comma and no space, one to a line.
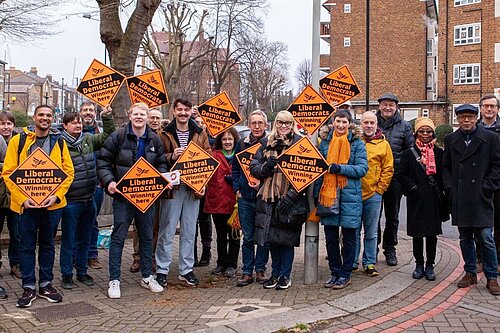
430,249
205,226
391,201
228,248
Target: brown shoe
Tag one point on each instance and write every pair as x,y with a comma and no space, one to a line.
245,280
15,271
261,277
94,263
493,287
136,266
467,280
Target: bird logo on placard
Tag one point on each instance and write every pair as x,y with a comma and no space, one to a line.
308,98
97,71
141,172
37,162
193,154
303,150
152,80
220,102
341,76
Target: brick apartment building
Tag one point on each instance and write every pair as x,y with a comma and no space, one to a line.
469,51
433,54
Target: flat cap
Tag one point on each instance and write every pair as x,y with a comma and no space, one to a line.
388,96
466,108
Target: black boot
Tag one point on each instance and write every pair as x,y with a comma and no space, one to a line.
418,273
206,254
429,273
196,263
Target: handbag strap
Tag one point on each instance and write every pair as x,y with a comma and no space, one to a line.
432,181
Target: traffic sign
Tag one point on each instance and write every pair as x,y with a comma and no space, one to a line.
148,88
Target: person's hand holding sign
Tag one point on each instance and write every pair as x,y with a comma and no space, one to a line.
177,153
201,193
30,204
107,110
49,201
112,188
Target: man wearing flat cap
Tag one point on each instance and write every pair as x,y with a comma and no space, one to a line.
471,175
399,133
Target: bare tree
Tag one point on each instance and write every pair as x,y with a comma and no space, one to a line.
303,73
179,19
264,74
123,44
23,20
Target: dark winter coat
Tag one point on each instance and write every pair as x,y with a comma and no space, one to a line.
398,132
471,174
350,199
268,230
422,204
219,196
116,158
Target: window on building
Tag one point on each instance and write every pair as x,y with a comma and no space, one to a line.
467,74
409,114
497,52
430,81
425,113
211,87
347,8
347,41
467,34
465,2
430,47
193,85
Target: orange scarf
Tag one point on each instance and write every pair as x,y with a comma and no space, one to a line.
339,151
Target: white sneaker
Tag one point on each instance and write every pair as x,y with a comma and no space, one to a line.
114,289
151,284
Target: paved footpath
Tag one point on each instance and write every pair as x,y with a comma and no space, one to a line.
391,302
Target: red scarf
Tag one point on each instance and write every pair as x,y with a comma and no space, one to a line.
428,159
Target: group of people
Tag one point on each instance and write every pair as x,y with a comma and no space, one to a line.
370,167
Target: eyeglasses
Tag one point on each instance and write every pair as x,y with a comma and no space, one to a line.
257,123
425,131
489,106
466,116
281,123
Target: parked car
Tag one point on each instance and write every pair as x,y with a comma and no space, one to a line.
243,131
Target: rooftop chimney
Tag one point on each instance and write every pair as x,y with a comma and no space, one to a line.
34,70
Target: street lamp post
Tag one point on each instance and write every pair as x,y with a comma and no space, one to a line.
88,16
367,69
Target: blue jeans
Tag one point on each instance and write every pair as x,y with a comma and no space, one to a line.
488,250
37,224
12,225
77,220
340,263
282,257
98,198
123,214
251,258
371,213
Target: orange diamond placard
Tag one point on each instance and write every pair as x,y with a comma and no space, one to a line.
196,166
310,109
142,185
302,164
100,83
244,158
339,86
148,88
219,114
38,177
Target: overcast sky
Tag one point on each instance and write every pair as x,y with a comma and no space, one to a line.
68,54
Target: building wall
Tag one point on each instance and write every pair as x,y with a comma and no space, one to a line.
397,60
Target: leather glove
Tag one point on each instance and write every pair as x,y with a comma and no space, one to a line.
334,168
270,164
287,202
228,179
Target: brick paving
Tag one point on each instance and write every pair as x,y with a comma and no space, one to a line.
391,302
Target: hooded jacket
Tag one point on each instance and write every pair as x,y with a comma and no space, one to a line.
61,158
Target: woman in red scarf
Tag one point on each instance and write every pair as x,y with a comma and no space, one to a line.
420,177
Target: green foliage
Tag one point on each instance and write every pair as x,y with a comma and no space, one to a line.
22,119
441,131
